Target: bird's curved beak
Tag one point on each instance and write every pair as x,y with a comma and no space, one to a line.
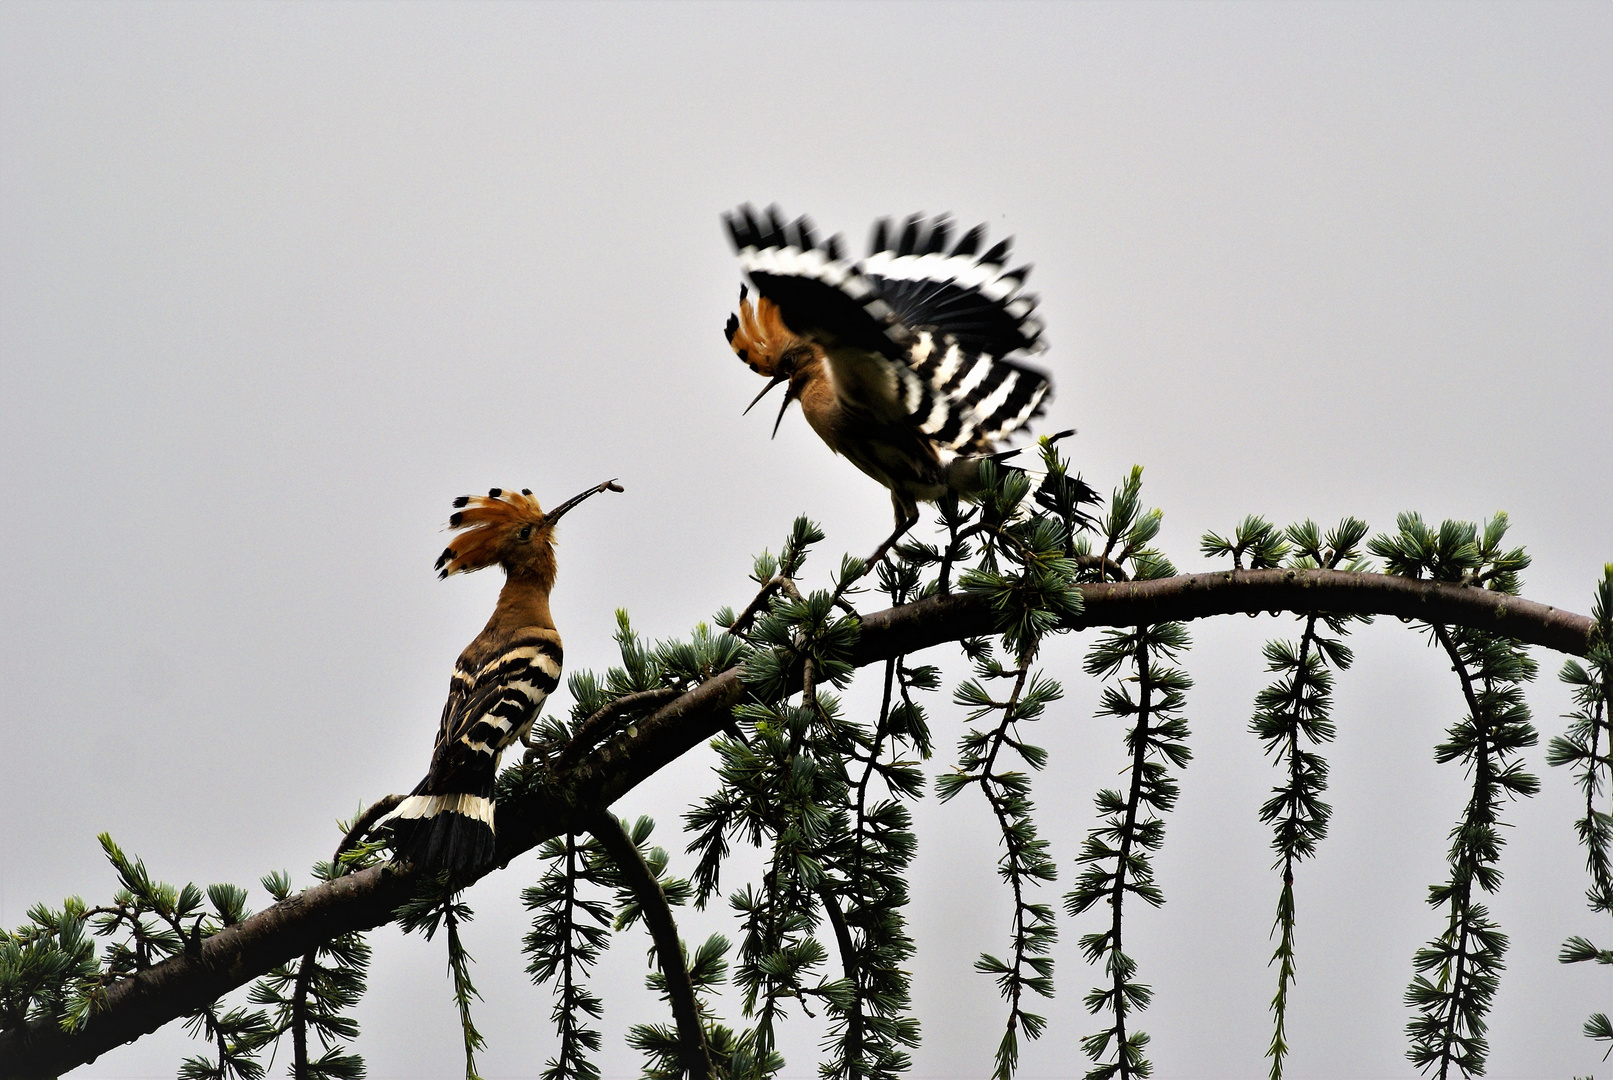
789,396
554,515
781,377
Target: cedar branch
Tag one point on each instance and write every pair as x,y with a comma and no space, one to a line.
150,998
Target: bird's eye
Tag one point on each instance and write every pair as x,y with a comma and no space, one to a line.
525,534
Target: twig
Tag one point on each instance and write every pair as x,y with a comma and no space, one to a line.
848,962
1128,835
1112,571
379,809
299,1016
305,970
756,606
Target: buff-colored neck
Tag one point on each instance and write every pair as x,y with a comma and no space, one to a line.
523,602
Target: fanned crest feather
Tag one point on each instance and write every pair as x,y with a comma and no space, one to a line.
758,334
489,522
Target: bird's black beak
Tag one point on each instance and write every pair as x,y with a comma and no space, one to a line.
554,515
789,396
781,377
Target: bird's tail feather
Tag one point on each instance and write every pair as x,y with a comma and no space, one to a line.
964,477
443,832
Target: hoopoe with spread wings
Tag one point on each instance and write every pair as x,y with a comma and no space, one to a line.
907,363
499,682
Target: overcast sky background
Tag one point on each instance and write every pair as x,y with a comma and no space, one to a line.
277,282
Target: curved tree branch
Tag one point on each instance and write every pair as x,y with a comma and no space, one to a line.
143,1002
599,725
657,913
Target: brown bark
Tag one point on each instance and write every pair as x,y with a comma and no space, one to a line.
599,725
234,956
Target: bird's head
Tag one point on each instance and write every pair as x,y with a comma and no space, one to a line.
508,528
768,347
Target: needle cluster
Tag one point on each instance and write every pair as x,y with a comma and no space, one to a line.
1587,748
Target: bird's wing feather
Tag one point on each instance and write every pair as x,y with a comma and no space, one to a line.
974,298
904,347
974,400
490,707
820,294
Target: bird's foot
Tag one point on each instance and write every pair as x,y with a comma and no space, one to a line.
870,563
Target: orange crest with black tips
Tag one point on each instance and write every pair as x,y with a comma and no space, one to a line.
505,527
759,336
511,529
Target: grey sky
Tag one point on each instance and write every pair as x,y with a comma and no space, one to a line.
277,282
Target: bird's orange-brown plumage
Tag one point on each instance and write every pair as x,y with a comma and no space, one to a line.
499,682
845,417
760,338
505,527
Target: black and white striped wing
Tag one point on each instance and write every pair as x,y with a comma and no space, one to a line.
491,708
971,297
974,400
447,821
931,346
969,315
819,292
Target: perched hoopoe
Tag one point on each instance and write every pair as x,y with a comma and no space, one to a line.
903,362
499,682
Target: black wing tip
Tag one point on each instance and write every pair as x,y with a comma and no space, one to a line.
969,243
747,227
909,242
921,235
736,233
918,234
877,240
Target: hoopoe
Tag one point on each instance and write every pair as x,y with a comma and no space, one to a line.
499,682
906,362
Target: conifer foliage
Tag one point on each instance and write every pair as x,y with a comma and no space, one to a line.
820,789
1116,856
1294,712
1459,971
1587,747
